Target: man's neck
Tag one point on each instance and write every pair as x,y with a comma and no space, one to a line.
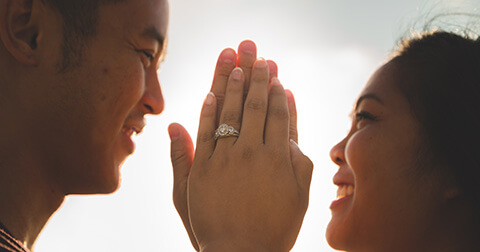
28,199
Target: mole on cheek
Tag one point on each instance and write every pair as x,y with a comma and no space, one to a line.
106,70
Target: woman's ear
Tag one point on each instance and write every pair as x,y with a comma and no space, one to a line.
451,193
19,29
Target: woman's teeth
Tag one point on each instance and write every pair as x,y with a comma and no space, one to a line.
344,191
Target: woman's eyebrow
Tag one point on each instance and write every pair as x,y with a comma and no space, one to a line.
368,96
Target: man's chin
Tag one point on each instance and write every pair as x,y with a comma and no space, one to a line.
103,189
98,185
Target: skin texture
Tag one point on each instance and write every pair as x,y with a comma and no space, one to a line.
66,132
229,193
394,207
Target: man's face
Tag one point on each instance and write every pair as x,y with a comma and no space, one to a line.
85,117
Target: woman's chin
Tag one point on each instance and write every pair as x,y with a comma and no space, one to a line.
334,235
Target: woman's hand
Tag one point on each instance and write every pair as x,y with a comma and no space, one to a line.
246,193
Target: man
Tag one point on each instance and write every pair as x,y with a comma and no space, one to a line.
77,79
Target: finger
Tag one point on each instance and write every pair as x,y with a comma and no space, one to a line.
292,111
247,55
225,64
255,108
181,152
302,166
233,106
206,128
276,128
182,158
272,68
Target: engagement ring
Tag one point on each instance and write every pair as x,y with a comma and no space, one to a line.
225,131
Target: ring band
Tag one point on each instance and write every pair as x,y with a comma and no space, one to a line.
225,130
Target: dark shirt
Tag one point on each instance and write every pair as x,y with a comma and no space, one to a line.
8,243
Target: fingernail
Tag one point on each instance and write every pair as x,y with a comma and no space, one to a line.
209,99
275,81
261,63
289,94
272,66
293,141
237,73
228,56
172,132
247,46
296,145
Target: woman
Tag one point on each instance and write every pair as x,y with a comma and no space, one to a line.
407,168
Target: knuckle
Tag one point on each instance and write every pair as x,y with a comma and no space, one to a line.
177,156
293,133
260,77
279,112
255,104
248,154
224,70
205,136
220,99
231,116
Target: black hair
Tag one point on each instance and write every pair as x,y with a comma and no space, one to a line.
440,74
80,19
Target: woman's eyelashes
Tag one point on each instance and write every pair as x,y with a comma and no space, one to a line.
362,117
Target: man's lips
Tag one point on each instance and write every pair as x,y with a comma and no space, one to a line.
132,127
129,131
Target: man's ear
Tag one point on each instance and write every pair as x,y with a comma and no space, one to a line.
452,192
19,29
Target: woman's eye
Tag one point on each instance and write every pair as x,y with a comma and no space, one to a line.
363,116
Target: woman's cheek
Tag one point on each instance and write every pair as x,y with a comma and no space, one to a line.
359,149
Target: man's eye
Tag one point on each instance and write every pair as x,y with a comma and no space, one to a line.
149,55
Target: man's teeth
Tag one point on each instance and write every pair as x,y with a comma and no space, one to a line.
128,132
344,191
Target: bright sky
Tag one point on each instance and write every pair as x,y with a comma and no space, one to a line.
325,50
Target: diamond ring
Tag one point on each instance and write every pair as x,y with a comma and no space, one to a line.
225,130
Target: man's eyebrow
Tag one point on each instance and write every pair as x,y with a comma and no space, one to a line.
152,32
368,96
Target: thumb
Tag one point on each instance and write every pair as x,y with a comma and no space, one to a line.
181,152
302,166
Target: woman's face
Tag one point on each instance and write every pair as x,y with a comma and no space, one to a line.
383,203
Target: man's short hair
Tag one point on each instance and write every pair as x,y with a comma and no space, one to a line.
80,20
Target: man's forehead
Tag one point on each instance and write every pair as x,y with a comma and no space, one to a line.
153,33
147,17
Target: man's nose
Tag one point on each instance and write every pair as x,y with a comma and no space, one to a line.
152,99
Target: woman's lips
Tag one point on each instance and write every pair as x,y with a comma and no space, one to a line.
344,193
